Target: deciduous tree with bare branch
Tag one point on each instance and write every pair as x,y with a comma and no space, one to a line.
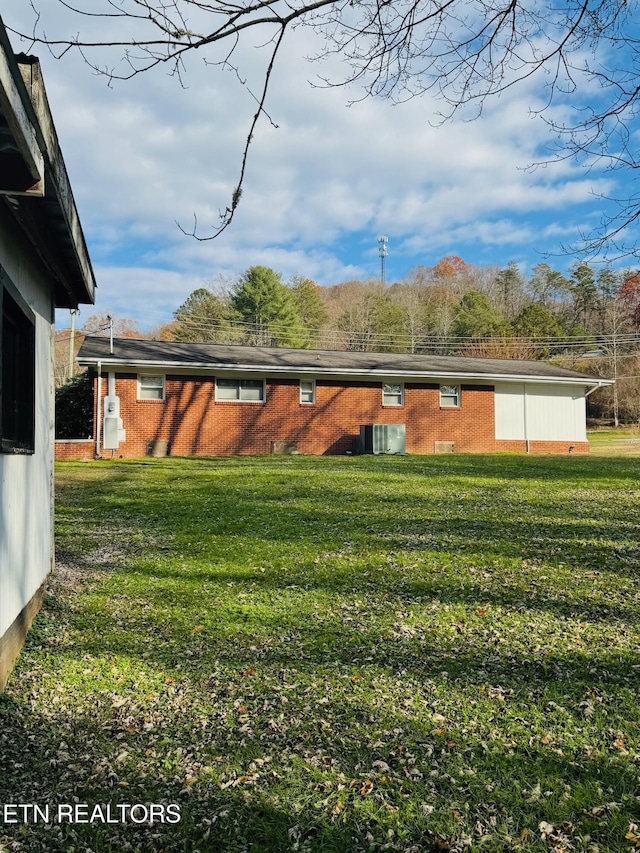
464,51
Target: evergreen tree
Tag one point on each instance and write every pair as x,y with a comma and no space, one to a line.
584,293
536,321
547,285
388,324
262,301
510,283
307,298
476,317
202,317
609,284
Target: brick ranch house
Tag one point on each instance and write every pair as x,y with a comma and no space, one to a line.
216,400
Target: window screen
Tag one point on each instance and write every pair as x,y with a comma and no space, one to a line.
247,390
150,387
307,391
392,395
449,396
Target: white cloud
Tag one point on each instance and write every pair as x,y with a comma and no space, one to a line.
148,152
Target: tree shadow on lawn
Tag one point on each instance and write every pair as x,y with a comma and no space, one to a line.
210,518
263,530
415,590
199,472
414,623
437,668
509,465
475,656
297,796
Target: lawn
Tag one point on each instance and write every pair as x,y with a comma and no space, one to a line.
335,654
615,441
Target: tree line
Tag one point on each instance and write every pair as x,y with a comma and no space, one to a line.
583,319
451,308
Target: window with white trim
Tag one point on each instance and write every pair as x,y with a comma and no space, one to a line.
449,396
307,390
17,371
150,387
243,390
392,394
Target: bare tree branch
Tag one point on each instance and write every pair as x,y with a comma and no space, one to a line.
464,51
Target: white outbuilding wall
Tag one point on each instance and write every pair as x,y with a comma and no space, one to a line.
540,411
43,264
26,480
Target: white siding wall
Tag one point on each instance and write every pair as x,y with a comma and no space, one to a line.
26,482
553,412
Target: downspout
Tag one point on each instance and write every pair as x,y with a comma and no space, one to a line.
526,428
98,407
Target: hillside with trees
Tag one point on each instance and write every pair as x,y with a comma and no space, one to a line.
587,320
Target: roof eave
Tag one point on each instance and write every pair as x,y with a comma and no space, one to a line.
34,179
316,370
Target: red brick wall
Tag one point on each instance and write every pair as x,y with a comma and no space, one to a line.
191,420
70,449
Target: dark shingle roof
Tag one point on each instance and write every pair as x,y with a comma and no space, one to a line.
206,358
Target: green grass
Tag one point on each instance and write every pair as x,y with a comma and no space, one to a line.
615,441
337,654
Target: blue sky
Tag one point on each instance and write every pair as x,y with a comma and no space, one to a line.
320,188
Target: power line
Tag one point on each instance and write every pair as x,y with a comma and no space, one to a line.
406,340
337,338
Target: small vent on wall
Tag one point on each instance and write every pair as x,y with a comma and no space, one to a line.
444,447
158,447
284,448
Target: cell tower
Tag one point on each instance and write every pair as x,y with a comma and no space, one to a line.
383,252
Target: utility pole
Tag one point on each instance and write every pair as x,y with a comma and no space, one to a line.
383,252
616,419
73,313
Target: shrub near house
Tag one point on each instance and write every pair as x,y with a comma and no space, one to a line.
74,408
